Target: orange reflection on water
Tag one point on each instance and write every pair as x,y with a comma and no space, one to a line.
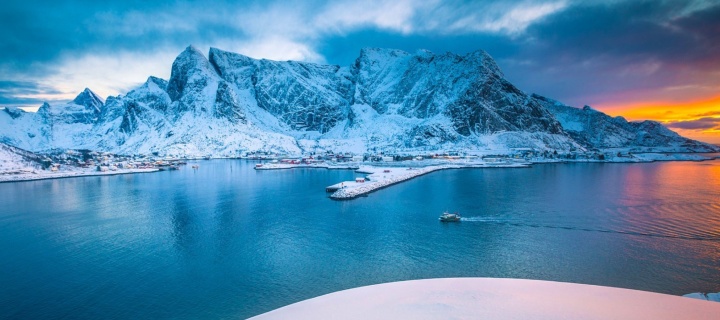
675,190
676,199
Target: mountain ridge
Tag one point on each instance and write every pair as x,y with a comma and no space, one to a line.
387,100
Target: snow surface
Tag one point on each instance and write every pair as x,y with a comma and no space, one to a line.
491,298
14,163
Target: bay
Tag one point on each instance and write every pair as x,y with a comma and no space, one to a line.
229,241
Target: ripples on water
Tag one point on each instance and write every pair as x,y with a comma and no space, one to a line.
227,241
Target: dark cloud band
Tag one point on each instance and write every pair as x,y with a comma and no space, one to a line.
699,124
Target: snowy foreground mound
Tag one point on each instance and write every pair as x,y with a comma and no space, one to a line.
228,104
489,298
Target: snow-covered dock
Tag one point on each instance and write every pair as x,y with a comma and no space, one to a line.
382,177
281,166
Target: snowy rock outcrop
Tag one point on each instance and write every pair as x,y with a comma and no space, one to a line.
388,100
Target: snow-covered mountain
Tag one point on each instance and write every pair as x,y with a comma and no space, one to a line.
597,130
64,126
388,100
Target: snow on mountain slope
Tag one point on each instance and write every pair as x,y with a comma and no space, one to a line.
424,101
22,129
59,126
594,129
304,96
195,113
388,100
13,160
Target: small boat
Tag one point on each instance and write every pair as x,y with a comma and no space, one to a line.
449,217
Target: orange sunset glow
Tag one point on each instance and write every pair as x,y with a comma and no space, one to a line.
698,119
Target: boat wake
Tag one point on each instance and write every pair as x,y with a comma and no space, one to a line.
519,223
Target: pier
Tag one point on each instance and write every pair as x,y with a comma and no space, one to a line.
282,166
382,177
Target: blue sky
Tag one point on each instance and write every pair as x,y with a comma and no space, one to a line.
609,54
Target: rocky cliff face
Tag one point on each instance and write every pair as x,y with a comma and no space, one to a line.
388,100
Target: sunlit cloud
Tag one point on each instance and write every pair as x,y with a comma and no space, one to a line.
511,20
341,17
697,124
104,74
698,119
273,48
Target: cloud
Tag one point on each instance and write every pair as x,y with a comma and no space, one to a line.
707,123
708,114
17,93
274,48
622,51
114,46
579,52
341,17
107,74
511,20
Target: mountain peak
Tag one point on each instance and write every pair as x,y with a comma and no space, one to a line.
190,62
161,83
483,58
371,53
192,49
90,100
190,56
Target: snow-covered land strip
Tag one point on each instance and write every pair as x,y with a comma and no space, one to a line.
43,174
352,189
490,298
280,166
382,177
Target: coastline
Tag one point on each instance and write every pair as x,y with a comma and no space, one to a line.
34,176
494,298
360,167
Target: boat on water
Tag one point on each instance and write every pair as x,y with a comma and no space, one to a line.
449,217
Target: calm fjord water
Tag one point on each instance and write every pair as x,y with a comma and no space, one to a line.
229,241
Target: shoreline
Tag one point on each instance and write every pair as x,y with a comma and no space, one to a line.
358,166
349,190
69,174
